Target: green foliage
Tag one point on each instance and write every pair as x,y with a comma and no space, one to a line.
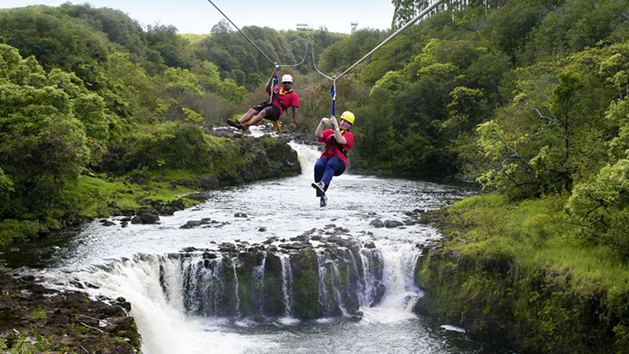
555,131
509,27
11,229
341,55
117,26
133,89
574,27
174,50
20,344
43,146
410,148
39,314
234,56
192,116
6,186
618,116
74,46
601,207
231,92
442,93
170,145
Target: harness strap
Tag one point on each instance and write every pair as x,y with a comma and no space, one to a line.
274,83
280,101
335,146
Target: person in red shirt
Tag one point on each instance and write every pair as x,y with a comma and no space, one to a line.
333,160
282,98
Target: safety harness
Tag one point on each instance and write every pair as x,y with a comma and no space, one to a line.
276,123
335,146
281,93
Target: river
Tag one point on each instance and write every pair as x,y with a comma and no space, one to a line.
130,262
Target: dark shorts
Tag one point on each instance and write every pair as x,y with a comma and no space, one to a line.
272,111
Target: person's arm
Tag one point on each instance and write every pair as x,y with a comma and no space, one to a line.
319,132
270,82
295,116
337,132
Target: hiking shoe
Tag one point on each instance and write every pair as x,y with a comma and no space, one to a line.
323,202
318,186
235,124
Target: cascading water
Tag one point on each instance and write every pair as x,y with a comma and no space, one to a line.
287,286
287,278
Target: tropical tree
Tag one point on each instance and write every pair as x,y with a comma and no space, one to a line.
43,145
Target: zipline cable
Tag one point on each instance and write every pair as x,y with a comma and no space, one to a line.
315,65
275,65
335,78
420,15
302,60
243,33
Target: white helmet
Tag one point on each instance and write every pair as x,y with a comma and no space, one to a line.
287,78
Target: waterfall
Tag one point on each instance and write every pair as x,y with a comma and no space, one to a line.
307,156
236,291
368,296
258,288
287,285
342,277
324,297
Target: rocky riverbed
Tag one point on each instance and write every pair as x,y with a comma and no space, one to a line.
34,319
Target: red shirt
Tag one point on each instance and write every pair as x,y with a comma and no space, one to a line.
330,150
289,99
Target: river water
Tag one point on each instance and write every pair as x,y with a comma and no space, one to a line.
108,259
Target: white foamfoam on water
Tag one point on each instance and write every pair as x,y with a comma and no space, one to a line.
451,328
324,320
256,131
288,321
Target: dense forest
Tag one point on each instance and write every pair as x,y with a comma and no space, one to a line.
526,97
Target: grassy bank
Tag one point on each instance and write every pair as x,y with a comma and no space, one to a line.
523,273
157,182
95,196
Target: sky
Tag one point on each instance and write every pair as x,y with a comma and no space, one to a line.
199,16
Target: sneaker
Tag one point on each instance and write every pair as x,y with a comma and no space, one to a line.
323,202
318,186
235,123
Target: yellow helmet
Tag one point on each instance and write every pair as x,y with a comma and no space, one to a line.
348,116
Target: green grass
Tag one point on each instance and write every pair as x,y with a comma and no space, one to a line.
39,314
91,196
11,229
538,233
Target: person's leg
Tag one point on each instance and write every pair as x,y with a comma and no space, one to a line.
334,167
247,116
319,168
256,119
271,112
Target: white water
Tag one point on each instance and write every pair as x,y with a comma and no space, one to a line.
283,208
